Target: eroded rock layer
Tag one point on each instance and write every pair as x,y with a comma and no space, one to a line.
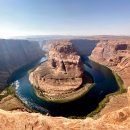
116,55
61,74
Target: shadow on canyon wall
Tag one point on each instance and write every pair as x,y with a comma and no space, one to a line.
15,54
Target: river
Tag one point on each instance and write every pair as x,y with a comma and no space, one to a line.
103,78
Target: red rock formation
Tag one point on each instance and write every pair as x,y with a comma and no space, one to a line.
63,58
61,74
116,120
116,55
128,95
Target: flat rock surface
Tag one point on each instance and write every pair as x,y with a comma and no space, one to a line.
11,103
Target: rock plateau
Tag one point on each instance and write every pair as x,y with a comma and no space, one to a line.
62,74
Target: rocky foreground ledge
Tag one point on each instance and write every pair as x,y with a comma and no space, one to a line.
62,76
116,120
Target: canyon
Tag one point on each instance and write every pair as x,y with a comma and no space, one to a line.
111,52
116,55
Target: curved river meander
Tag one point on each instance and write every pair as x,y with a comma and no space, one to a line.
104,80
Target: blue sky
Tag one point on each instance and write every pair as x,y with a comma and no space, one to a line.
64,17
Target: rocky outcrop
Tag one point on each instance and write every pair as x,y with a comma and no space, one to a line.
116,55
62,74
15,54
116,120
63,58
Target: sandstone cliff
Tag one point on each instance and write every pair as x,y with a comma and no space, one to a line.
15,54
116,55
63,58
118,119
84,45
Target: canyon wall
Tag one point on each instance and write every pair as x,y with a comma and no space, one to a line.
83,46
116,55
15,54
113,53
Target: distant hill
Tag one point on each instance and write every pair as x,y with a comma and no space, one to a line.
40,38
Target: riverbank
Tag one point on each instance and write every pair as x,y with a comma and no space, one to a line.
70,97
10,102
104,103
24,68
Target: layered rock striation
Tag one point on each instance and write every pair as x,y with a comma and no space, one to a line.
116,55
62,74
15,54
64,59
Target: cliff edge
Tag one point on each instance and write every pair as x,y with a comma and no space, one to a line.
116,120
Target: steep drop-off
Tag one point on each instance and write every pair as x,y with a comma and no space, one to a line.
106,53
15,54
116,55
116,120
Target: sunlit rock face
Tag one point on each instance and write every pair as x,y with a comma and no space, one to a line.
61,74
115,54
128,96
116,120
15,54
64,59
